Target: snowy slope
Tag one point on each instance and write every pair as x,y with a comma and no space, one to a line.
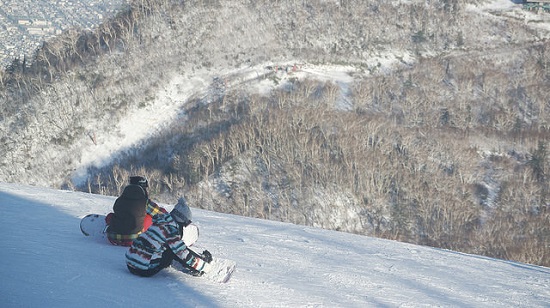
47,262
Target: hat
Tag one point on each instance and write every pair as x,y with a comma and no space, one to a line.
182,212
139,180
134,192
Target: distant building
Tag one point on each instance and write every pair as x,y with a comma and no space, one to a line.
537,5
25,24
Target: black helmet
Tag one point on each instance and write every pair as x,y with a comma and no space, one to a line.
139,180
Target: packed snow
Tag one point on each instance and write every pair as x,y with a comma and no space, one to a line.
47,262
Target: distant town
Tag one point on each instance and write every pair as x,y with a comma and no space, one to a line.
26,24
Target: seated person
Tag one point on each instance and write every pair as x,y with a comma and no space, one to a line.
162,243
132,213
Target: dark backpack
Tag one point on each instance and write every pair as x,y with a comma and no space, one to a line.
129,211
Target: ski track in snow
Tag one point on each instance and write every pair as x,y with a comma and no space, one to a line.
49,263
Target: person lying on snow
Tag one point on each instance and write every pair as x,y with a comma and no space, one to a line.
132,213
162,243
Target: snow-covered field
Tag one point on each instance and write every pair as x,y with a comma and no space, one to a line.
47,262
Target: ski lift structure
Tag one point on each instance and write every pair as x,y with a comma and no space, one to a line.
537,5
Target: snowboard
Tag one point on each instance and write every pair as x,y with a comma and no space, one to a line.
220,271
94,225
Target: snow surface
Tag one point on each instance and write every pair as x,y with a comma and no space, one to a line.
47,262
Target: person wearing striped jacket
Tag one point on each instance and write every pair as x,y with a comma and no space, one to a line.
156,248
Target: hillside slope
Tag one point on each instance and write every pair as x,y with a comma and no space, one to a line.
178,59
279,265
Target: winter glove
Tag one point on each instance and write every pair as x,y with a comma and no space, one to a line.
207,256
196,263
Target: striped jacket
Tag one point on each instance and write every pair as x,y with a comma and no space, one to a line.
153,209
146,250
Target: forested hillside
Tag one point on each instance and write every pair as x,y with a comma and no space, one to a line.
436,135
